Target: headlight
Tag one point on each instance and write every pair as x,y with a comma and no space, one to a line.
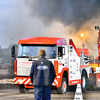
19,80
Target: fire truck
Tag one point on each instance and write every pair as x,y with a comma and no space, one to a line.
71,64
94,79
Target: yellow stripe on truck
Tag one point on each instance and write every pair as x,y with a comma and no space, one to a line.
94,66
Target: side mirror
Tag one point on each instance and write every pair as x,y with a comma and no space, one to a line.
13,51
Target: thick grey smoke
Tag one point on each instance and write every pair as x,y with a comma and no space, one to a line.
69,12
55,18
77,16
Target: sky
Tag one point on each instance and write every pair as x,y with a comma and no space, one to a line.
16,22
52,18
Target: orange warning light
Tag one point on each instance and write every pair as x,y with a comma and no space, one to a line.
82,34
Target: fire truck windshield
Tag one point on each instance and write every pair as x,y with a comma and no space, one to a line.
27,51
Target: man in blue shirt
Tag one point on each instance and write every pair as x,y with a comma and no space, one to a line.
42,76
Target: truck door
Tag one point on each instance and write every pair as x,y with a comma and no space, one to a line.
62,58
74,67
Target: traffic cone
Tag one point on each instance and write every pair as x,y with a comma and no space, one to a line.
78,93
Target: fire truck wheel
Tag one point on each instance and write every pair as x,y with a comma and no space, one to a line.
84,82
63,88
22,89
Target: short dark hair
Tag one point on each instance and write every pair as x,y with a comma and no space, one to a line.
42,53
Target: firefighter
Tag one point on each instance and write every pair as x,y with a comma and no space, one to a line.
42,76
28,52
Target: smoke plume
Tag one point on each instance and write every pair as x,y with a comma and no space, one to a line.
68,12
68,19
52,18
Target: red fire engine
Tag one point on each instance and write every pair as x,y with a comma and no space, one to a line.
71,64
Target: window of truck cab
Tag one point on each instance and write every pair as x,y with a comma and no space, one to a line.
61,51
26,50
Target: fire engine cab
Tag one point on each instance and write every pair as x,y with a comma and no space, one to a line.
71,64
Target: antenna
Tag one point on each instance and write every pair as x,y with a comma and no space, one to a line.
45,30
83,46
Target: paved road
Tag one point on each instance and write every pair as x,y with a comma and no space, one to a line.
13,94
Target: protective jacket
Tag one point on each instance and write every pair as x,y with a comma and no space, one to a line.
42,72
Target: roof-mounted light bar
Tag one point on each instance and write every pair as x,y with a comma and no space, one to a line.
96,27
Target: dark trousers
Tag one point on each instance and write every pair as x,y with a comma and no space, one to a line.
42,93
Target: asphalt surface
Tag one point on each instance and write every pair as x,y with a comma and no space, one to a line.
13,94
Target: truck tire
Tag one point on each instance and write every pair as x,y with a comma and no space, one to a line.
63,88
83,82
22,89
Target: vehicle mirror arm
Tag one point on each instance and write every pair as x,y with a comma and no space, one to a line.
60,57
